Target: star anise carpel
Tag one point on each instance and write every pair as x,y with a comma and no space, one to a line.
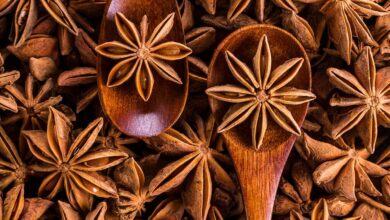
366,97
142,55
72,163
263,91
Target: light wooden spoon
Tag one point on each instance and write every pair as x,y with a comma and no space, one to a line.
122,104
259,171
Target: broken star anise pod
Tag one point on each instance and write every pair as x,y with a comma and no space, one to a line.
140,55
71,163
262,92
199,164
345,169
367,98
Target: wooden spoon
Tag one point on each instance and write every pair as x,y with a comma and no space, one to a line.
122,104
259,171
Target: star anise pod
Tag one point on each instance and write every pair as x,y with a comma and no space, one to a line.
133,192
198,166
68,213
367,98
12,167
7,102
296,196
262,92
345,20
33,105
346,169
16,207
140,55
72,163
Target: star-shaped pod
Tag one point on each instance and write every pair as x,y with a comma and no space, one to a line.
262,92
142,56
72,164
366,97
345,170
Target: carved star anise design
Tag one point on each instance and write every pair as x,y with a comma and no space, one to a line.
12,167
345,170
367,98
345,21
140,55
261,92
71,163
199,164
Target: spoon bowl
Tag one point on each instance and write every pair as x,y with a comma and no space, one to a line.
122,104
259,171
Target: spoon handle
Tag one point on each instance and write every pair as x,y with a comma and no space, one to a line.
259,174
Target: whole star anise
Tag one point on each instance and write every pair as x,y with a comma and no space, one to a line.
343,170
33,105
367,98
345,21
140,55
198,165
262,92
71,163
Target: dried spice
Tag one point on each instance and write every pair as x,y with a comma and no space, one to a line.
262,91
197,166
140,55
338,169
368,101
12,167
72,163
345,169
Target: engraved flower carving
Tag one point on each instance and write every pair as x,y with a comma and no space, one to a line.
262,92
143,56
367,98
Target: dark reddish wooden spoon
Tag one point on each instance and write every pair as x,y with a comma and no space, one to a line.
122,104
259,171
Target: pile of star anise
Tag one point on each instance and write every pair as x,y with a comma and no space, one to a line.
61,158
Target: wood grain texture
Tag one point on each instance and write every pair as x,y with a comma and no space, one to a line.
259,171
122,104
